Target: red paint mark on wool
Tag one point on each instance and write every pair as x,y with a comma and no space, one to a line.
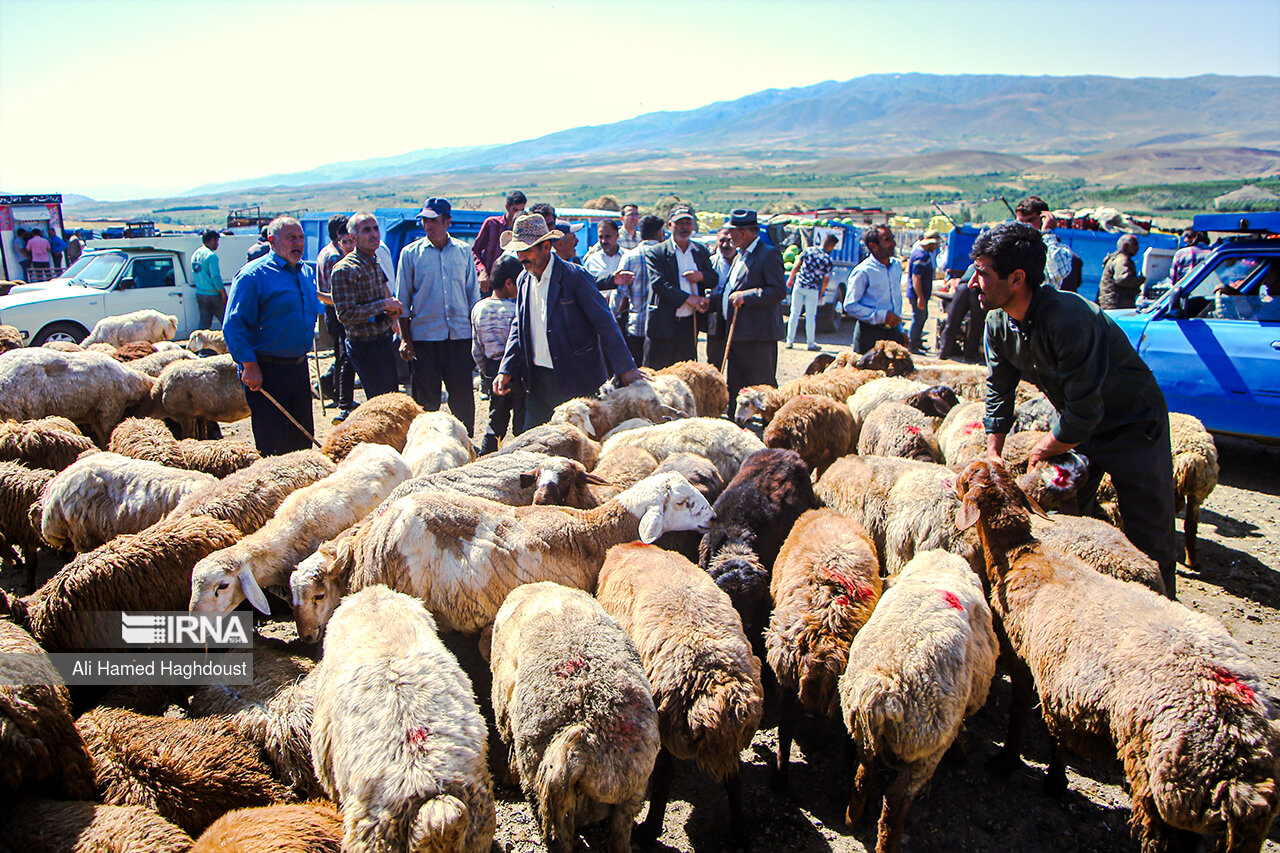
972,427
418,735
1233,684
1060,477
952,600
571,666
857,591
914,430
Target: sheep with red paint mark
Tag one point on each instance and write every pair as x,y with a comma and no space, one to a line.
896,429
1122,671
922,663
962,438
825,584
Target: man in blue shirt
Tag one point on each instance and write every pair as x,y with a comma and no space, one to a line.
874,297
269,326
920,269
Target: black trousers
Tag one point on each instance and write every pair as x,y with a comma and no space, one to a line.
542,395
865,336
715,352
449,362
342,374
290,385
681,346
502,408
1140,463
751,363
963,305
635,344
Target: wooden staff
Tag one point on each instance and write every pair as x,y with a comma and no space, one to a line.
292,419
728,342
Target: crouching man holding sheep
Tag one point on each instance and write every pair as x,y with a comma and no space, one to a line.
1107,401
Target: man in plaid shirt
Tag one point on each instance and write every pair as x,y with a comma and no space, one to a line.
1194,250
366,308
808,280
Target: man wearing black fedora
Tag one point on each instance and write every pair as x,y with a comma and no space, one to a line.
752,293
563,329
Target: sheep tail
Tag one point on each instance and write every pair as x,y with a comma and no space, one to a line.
441,824
877,706
1248,807
564,762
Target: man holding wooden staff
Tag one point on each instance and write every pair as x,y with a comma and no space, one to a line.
747,307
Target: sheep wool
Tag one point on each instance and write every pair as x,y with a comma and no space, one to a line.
383,420
314,827
51,443
556,440
221,457
147,438
820,429
404,757
21,489
437,441
86,388
720,441
145,325
249,498
1195,473
197,391
36,825
708,385
896,429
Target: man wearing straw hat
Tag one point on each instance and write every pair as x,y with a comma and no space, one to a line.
563,329
748,309
269,325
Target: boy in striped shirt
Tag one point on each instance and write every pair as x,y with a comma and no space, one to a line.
491,326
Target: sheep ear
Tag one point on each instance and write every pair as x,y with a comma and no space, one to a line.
528,478
253,592
1033,506
593,480
591,427
651,525
967,515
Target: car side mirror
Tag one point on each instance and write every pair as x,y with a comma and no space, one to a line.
124,284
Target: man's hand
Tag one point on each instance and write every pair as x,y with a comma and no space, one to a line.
704,304
406,350
1047,447
393,307
630,376
251,375
737,299
622,278
921,303
694,303
502,384
995,445
694,276
891,319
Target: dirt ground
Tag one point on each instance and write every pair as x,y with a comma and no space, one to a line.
964,808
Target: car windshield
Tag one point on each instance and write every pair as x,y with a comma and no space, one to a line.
96,270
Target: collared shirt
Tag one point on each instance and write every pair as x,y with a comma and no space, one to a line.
684,263
1186,259
875,290
325,261
205,270
438,288
628,241
271,310
736,274
598,262
815,265
1057,260
486,248
636,294
1079,358
538,288
722,265
39,249
491,326
359,290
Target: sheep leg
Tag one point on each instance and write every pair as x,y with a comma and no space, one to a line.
789,711
737,817
1055,779
620,817
864,785
1153,834
660,791
897,800
1023,697
1190,526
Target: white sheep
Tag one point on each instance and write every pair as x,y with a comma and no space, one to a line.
888,389
1195,473
437,441
195,392
724,443
87,388
153,364
962,436
657,398
922,663
207,339
306,518
896,429
397,738
147,324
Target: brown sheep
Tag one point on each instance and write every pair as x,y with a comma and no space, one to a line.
36,825
1195,473
10,338
820,429
53,442
314,827
556,440
710,390
623,468
20,495
385,419
134,350
147,438
765,401
221,457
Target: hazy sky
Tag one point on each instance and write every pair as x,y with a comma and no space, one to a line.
124,98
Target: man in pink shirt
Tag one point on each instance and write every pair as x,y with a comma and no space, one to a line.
38,246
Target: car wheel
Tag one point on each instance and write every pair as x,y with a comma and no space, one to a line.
62,331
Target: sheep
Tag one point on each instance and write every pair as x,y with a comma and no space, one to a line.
206,340
626,466
384,420
62,346
753,516
150,570
280,725
153,365
698,470
39,746
820,362
505,478
720,441
250,497
274,669
195,392
556,440
106,494
962,437
704,678
1195,473
147,324
404,757
935,402
572,703
1037,413
657,398
1100,545
10,338
818,428
304,519
20,506
1055,481
147,438
59,826
923,662
86,388
765,401
825,583
189,771
51,443
463,555
629,423
888,357
314,827
1122,671
133,351
887,389
437,441
710,390
564,482
896,429
102,347
221,457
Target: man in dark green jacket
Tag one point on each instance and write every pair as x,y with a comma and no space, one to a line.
1107,401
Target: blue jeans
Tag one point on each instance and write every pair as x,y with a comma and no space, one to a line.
374,359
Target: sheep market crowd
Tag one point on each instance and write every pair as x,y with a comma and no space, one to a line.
631,581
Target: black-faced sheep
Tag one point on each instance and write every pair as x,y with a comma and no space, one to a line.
52,443
704,678
572,703
20,495
383,420
10,336
36,825
820,429
249,498
555,440
147,324
896,429
314,827
92,389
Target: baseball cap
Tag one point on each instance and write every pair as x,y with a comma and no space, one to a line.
435,207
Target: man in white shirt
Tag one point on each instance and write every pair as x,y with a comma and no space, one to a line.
874,295
680,277
606,254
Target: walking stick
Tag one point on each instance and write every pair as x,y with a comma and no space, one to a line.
264,392
728,342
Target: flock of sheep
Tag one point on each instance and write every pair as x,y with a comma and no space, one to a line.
634,573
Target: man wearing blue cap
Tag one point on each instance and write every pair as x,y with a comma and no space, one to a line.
753,293
436,282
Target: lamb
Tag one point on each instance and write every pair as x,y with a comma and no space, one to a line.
1122,671
704,678
463,555
765,401
314,827
43,826
207,340
720,441
710,390
39,746
571,702
134,350
86,388
1100,545
753,516
147,571
51,443
195,392
383,420
437,441
304,519
404,757
657,398
1195,473
147,438
564,482
556,440
249,498
20,506
221,457
145,325
896,429
153,365
106,494
923,662
820,429
189,771
825,583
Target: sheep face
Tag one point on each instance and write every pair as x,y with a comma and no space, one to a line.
561,481
890,357
934,401
751,402
1053,481
666,502
220,582
737,570
315,592
576,413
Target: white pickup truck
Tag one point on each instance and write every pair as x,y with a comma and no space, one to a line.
111,279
